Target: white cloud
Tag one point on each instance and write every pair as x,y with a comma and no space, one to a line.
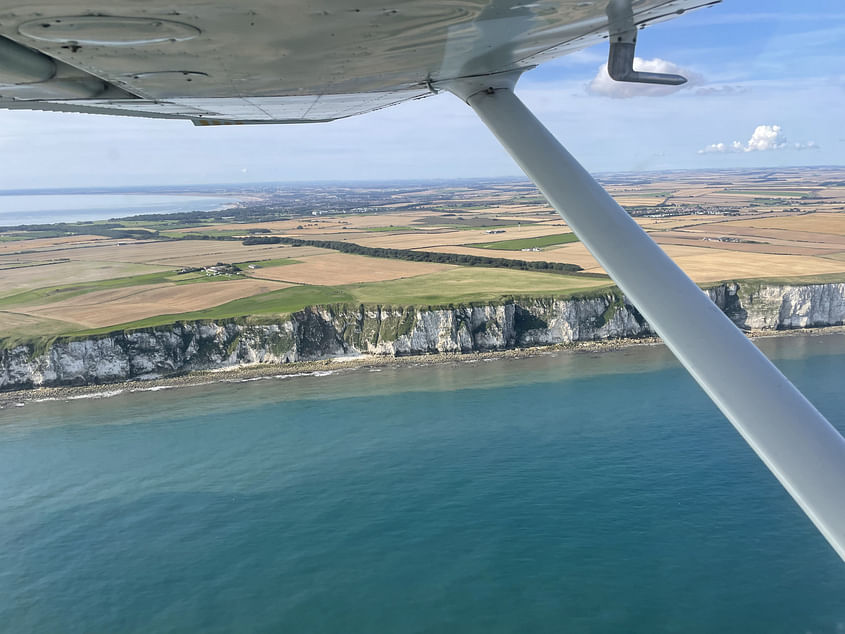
764,138
715,148
604,86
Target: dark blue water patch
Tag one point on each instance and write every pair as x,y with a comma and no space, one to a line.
610,503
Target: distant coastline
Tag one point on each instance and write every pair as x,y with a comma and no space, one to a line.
51,207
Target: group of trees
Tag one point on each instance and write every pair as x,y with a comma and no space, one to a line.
261,240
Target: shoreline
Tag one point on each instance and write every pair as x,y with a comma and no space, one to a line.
18,398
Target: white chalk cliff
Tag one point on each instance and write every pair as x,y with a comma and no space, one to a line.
327,331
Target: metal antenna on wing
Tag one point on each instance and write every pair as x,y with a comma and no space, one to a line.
623,42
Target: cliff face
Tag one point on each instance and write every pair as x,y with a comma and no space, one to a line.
760,306
321,332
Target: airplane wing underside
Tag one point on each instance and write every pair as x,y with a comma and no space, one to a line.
279,61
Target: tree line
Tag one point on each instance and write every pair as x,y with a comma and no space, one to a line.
461,259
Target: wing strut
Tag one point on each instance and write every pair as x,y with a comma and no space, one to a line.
792,438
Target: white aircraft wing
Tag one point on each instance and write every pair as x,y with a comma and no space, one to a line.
279,61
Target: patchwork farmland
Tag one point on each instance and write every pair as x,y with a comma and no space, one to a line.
79,277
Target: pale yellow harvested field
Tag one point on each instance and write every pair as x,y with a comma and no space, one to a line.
711,199
780,237
705,265
639,201
346,236
47,255
694,191
415,241
652,224
343,268
351,235
714,265
357,236
190,252
678,238
18,280
50,243
828,223
533,217
556,223
121,305
784,235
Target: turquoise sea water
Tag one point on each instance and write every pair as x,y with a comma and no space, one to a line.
563,493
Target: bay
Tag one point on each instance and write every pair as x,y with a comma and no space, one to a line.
52,208
573,492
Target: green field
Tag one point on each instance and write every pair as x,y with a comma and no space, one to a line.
391,228
456,286
527,243
17,237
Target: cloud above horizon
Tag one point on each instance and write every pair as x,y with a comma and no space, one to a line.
602,85
765,138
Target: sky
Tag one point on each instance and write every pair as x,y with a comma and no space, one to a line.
767,88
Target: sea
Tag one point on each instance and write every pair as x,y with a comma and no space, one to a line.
565,492
51,208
